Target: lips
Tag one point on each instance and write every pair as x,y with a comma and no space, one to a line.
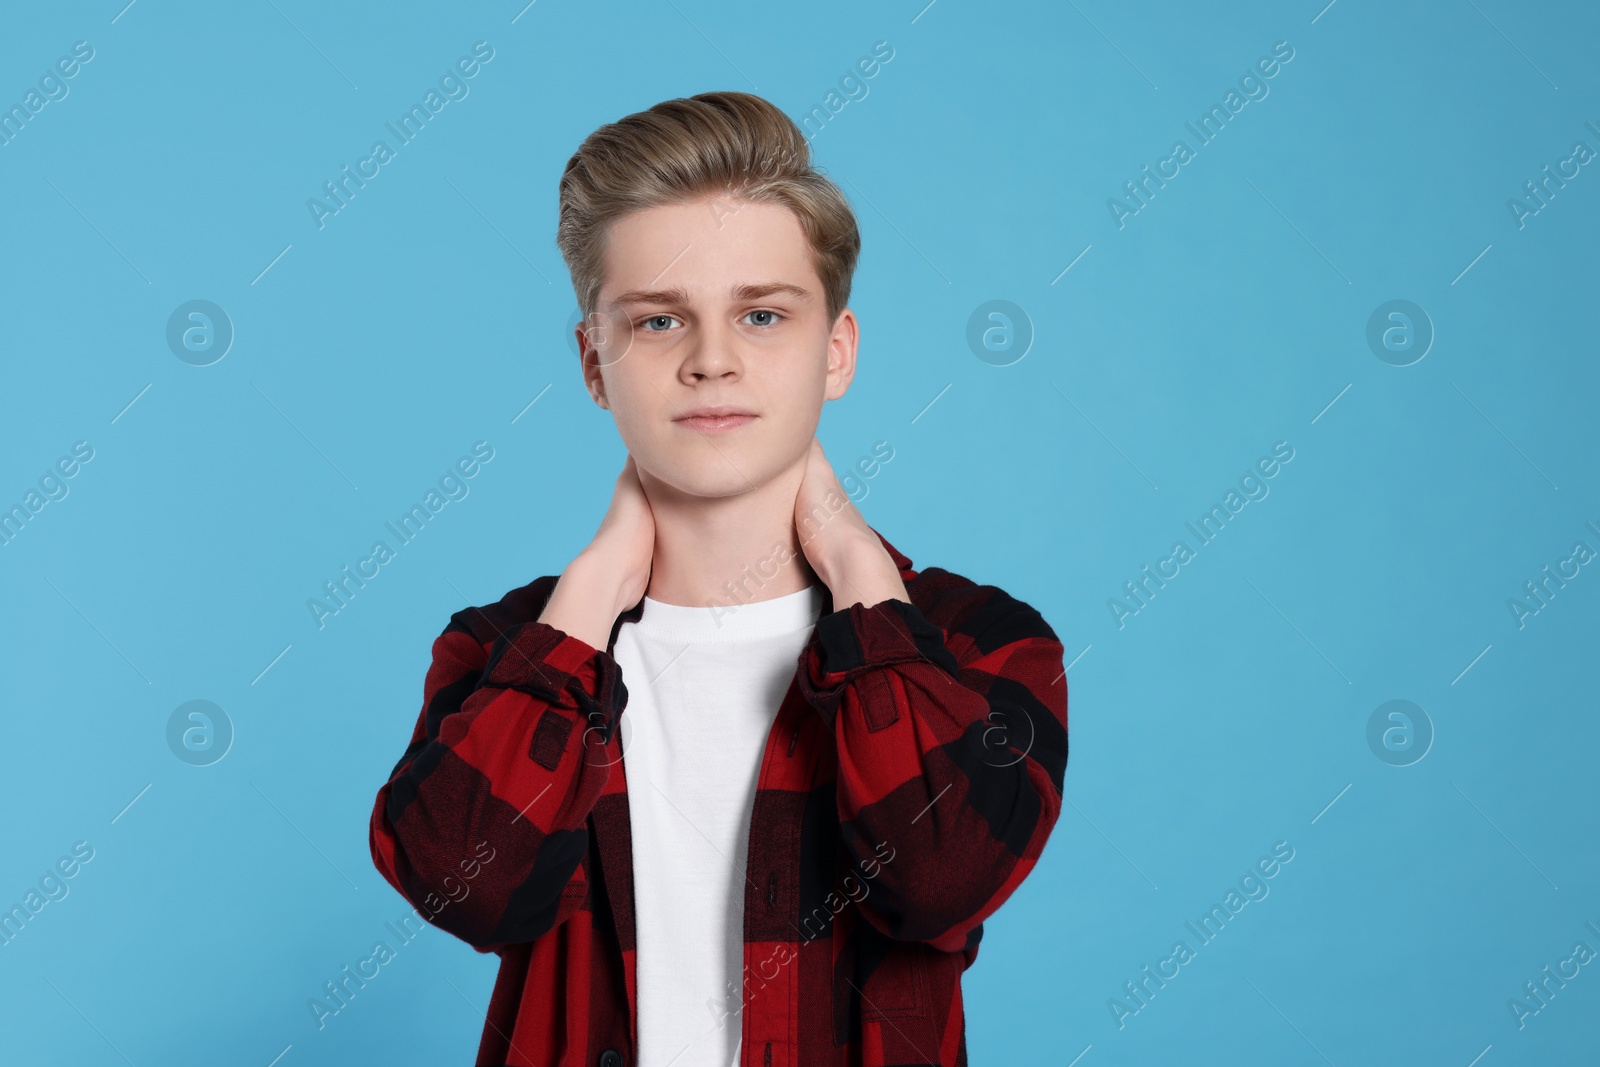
715,418
716,423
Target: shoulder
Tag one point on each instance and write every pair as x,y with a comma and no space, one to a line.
486,622
985,615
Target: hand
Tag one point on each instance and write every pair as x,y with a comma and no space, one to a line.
842,549
625,544
612,573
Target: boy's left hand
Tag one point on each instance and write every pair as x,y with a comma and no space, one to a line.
843,550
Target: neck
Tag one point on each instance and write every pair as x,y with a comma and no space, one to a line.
727,550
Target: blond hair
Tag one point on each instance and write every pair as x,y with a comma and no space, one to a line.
729,143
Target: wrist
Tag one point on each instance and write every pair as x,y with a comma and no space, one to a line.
599,581
581,604
862,572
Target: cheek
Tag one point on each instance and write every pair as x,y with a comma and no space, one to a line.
628,408
633,399
800,378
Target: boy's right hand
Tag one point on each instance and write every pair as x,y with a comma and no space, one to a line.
612,573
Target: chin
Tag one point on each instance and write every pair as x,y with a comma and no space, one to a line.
712,475
714,482
724,466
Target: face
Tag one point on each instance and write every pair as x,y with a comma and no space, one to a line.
714,304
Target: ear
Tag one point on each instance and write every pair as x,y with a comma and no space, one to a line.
589,361
842,355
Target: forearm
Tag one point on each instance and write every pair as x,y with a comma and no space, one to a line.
585,602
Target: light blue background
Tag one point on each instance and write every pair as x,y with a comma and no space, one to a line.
1229,314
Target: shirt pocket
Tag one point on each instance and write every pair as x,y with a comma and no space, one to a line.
898,988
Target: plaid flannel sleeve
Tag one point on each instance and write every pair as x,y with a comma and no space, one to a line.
482,823
952,749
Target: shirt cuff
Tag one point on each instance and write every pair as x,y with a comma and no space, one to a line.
854,643
564,671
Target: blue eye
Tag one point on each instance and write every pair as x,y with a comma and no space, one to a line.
657,318
774,315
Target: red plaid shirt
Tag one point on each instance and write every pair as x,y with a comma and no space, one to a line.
908,785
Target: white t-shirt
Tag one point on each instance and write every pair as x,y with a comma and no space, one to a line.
704,685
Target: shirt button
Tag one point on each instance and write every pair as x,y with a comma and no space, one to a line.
610,1058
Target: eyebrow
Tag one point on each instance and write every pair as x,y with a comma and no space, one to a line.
679,295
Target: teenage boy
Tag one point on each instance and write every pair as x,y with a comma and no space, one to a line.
832,767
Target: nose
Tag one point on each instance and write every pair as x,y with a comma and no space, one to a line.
711,352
